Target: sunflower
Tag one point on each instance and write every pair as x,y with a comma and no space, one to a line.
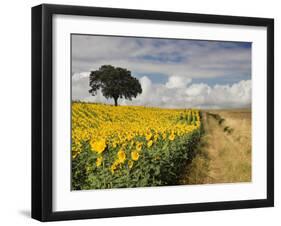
172,136
114,166
98,146
135,155
156,138
148,136
121,156
139,146
149,143
114,144
130,164
99,161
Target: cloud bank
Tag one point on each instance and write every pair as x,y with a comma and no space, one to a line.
174,94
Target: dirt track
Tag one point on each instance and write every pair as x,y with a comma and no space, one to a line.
224,153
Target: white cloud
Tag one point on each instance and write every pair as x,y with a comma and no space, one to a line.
196,90
80,86
176,93
177,82
220,96
81,75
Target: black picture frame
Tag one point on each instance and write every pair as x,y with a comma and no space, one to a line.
42,84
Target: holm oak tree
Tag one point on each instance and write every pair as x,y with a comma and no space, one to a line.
114,82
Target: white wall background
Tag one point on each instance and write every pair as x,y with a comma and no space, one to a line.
15,113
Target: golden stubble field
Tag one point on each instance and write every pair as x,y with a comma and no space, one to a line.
224,153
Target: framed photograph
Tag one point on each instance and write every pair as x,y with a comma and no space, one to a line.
145,112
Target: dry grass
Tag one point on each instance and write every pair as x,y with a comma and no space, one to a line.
224,155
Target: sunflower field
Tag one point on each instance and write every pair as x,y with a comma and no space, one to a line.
130,146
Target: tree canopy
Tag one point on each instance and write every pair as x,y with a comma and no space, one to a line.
114,82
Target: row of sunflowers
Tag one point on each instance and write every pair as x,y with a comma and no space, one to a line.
130,146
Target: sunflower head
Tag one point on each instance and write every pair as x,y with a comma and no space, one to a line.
99,161
130,164
121,156
139,146
172,136
135,155
148,135
114,167
98,146
149,143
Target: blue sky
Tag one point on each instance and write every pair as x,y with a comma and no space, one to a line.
168,64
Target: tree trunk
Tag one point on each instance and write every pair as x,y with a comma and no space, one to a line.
115,101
